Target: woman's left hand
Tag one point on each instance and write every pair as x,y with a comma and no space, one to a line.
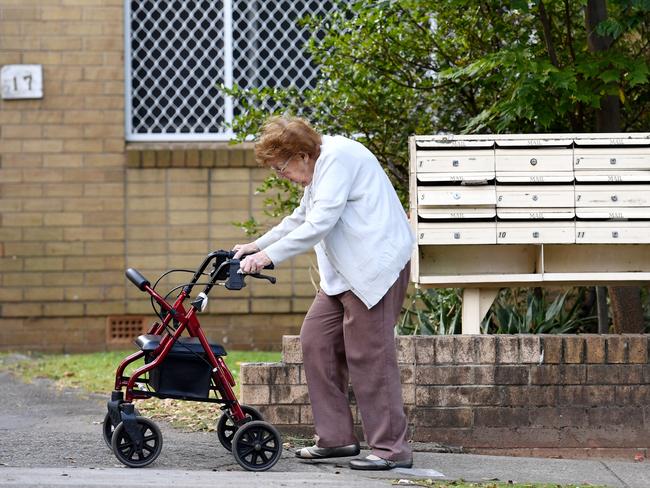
254,263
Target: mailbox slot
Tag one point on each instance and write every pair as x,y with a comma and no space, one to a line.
535,196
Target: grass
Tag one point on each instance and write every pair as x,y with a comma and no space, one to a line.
95,373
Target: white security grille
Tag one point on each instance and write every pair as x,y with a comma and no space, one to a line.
179,51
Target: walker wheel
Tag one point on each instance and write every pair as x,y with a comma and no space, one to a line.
226,428
108,428
257,446
126,452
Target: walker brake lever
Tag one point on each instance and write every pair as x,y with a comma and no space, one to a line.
271,279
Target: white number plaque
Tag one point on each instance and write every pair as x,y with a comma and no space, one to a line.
22,81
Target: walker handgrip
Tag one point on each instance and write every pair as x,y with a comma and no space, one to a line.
137,279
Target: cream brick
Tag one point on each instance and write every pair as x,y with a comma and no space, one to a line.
65,73
24,249
10,116
41,145
21,131
105,308
147,218
82,145
63,309
23,310
11,263
101,73
188,218
61,43
25,219
64,160
11,175
62,131
42,233
104,190
87,61
103,44
104,248
187,203
15,234
37,294
22,160
146,247
64,249
43,205
62,279
23,279
103,218
42,176
42,57
12,13
83,234
20,43
62,190
104,102
63,219
187,247
61,13
43,264
11,294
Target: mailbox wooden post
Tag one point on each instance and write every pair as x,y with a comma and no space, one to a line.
492,211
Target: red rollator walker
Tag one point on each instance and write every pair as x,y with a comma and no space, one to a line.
186,368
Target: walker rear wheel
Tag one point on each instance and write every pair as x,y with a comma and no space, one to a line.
226,428
125,450
257,446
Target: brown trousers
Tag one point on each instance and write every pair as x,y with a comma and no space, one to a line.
342,340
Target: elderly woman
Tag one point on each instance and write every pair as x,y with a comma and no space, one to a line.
350,214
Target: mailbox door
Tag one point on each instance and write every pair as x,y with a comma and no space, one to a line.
612,232
455,166
444,196
457,233
613,196
534,165
535,196
536,232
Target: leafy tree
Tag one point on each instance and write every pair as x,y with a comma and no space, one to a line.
393,68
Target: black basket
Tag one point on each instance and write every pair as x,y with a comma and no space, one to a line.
185,371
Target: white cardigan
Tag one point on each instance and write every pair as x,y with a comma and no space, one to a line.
352,209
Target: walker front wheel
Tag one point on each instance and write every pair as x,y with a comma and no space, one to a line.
257,446
133,456
226,428
108,428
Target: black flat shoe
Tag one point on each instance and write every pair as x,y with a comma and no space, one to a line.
315,452
375,463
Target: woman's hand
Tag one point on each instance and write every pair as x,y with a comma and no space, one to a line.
254,263
242,249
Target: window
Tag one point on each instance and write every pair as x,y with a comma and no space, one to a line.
179,51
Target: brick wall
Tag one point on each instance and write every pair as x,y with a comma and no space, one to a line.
568,396
78,205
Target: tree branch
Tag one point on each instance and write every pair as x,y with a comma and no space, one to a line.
548,37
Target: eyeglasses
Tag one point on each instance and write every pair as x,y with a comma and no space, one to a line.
282,168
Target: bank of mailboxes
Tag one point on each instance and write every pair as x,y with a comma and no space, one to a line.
531,189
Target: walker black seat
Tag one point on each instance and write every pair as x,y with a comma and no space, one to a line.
184,345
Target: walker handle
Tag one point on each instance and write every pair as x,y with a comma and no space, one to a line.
137,279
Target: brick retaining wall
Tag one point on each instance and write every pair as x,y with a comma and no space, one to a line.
550,395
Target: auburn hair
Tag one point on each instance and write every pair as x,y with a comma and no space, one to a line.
284,137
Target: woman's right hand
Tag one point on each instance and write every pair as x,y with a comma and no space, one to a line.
242,249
